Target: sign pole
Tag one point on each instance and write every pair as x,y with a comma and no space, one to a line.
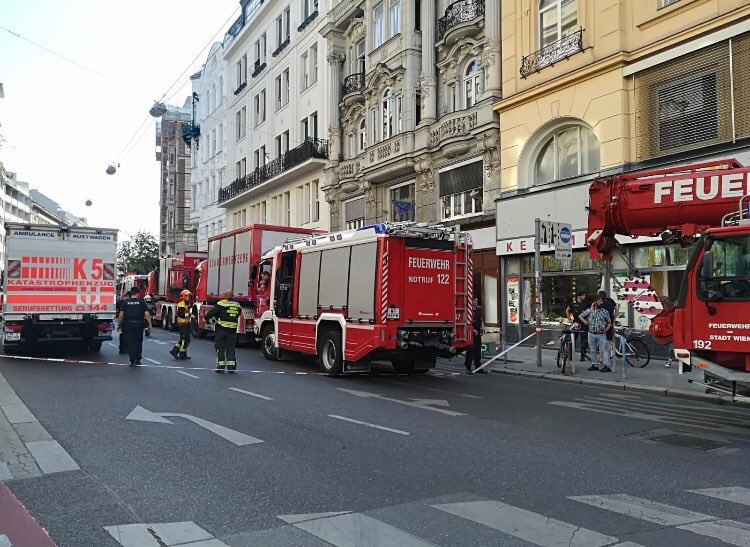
537,289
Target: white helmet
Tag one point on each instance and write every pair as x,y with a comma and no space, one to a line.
147,298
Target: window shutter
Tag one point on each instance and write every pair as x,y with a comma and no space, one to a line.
354,209
461,179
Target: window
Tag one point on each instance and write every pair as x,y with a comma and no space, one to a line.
374,125
357,60
305,70
461,190
665,3
451,98
314,125
354,213
304,129
240,169
362,136
394,19
241,122
688,112
730,275
418,107
378,26
221,88
279,94
283,29
285,141
472,84
314,64
305,204
287,24
278,146
220,140
285,87
263,155
241,72
315,206
256,159
260,107
402,203
263,48
557,19
464,203
570,152
388,113
213,142
308,7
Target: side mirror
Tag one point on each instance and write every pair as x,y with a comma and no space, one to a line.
707,265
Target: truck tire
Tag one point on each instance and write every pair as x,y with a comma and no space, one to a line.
330,353
267,343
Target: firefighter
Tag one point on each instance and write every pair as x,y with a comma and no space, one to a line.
474,353
226,312
179,351
130,321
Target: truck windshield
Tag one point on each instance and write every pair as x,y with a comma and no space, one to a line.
731,270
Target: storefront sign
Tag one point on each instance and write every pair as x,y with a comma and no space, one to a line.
512,288
524,245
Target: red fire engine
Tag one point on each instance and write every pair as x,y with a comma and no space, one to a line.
176,273
232,265
709,325
398,292
131,280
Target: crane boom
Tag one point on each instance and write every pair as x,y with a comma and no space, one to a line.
677,203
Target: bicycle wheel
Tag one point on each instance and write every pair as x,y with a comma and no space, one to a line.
637,354
566,356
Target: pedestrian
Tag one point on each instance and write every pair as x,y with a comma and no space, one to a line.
118,306
179,351
612,308
573,312
598,322
226,312
132,316
474,353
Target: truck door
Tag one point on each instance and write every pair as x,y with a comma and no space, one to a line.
284,290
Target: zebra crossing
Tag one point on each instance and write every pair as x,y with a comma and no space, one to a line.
733,421
512,525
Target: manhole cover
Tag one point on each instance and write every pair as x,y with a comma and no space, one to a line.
666,436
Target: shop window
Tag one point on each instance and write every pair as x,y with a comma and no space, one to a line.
557,19
402,203
570,152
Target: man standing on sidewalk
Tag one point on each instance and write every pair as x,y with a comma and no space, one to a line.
598,322
474,353
573,311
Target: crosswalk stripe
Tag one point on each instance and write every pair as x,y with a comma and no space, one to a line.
728,531
736,494
526,525
355,529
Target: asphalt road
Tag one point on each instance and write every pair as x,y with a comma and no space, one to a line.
442,459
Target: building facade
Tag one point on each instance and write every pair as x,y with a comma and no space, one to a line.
45,210
276,115
208,172
3,196
17,200
413,132
176,230
594,88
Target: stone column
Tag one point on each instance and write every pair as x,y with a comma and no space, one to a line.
428,79
335,59
492,59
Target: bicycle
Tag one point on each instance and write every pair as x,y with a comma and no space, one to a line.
565,351
636,351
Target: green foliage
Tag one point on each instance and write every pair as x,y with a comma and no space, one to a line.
139,255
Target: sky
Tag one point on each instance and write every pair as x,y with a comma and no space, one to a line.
63,124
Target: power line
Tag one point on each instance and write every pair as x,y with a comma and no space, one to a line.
48,50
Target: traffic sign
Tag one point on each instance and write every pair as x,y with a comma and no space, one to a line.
564,244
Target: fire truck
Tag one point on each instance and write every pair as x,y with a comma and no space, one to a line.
131,280
176,273
705,205
232,265
398,292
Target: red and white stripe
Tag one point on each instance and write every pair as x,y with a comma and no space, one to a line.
384,286
469,286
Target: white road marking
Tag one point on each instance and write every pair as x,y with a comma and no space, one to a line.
188,374
51,457
155,341
399,401
736,494
166,533
152,361
526,525
728,531
251,394
354,529
368,424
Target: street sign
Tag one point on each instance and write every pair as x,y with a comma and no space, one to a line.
564,244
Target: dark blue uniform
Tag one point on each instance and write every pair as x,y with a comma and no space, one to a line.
474,353
133,323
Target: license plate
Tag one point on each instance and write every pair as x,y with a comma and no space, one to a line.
393,313
12,336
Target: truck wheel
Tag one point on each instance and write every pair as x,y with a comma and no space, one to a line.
196,330
268,343
330,354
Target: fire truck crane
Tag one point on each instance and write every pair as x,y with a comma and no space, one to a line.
705,205
398,292
176,273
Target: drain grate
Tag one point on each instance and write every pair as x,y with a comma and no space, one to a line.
666,436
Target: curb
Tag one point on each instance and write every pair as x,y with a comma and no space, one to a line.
641,388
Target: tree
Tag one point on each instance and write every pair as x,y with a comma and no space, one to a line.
138,255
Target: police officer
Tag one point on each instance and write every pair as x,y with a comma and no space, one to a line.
227,313
474,353
118,305
132,316
179,351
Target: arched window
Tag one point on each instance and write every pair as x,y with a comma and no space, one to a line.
362,136
569,152
557,19
387,114
472,84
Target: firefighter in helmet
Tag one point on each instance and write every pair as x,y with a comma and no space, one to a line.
226,312
179,351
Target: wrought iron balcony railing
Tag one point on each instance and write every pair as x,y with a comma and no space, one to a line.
354,83
549,55
459,12
311,148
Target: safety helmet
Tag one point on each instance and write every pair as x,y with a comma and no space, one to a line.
147,298
185,294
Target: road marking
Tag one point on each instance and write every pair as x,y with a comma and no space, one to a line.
728,531
399,401
51,457
155,341
152,361
165,533
434,389
251,394
235,437
351,529
368,424
188,374
736,494
525,525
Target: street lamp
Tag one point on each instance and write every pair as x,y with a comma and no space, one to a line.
158,110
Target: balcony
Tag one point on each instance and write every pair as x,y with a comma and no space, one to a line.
258,68
457,13
310,149
549,55
353,84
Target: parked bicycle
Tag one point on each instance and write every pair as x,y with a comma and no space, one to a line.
636,351
565,351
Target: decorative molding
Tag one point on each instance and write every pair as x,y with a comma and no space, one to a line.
334,57
426,84
355,31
